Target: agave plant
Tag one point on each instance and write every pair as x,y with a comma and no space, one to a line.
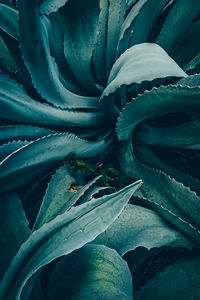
85,79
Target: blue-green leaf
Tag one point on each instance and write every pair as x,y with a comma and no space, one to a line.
8,20
35,48
17,106
14,229
157,102
92,272
177,281
38,157
69,231
179,18
171,199
140,227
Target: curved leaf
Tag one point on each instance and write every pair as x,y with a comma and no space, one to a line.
80,23
96,272
180,280
144,62
140,227
14,229
57,198
8,20
38,157
49,6
35,48
17,106
20,132
179,18
171,199
116,16
157,102
172,136
69,231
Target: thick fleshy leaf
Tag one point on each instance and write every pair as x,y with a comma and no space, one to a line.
193,67
69,231
38,157
127,27
17,106
20,132
149,13
155,103
171,199
14,229
99,52
58,197
116,16
140,227
178,281
35,48
49,6
172,136
8,20
179,18
80,22
187,46
7,149
141,63
92,272
192,81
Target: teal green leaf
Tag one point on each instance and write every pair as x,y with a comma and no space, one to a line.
7,149
57,198
177,136
178,20
14,229
177,281
99,51
8,20
69,231
116,16
80,23
193,66
92,272
149,13
171,199
187,46
49,6
157,102
38,157
144,62
140,227
127,27
35,48
16,105
192,80
20,132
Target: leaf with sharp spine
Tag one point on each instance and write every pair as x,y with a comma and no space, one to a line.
179,18
164,194
143,62
17,106
69,231
15,132
57,198
157,102
34,44
39,156
140,227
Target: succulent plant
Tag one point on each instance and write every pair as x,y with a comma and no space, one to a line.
92,80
